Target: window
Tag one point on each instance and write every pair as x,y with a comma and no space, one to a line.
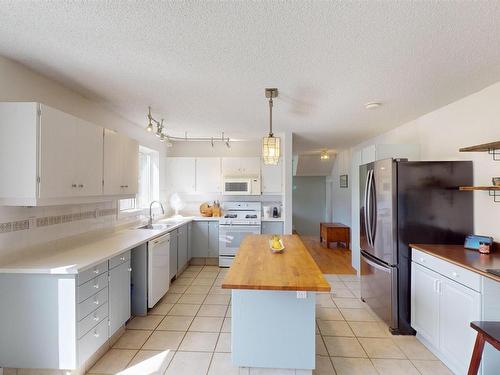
127,204
149,181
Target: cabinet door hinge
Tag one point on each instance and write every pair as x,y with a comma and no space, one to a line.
109,322
38,179
39,111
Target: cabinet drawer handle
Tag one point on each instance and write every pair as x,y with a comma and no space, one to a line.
422,260
73,185
96,318
126,186
80,186
454,274
96,334
96,271
130,270
96,302
122,259
96,286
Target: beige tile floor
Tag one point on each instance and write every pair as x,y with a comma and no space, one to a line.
188,333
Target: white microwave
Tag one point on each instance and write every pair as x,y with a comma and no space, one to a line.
241,186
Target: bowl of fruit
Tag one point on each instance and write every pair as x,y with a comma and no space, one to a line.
276,244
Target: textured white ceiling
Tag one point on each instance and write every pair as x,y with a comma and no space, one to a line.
204,65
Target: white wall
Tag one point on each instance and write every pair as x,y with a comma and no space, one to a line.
341,197
309,205
472,120
18,83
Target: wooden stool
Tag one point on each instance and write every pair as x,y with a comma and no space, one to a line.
486,332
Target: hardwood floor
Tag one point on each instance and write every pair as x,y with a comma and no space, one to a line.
336,260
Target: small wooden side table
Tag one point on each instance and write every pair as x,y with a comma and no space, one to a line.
486,332
334,232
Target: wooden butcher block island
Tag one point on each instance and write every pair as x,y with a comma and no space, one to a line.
256,267
274,304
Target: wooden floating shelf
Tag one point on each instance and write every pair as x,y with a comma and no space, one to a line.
483,188
485,147
493,191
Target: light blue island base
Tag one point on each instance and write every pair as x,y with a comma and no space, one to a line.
273,329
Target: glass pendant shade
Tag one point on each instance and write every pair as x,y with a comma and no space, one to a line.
271,150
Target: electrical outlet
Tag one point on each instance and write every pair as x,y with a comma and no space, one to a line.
301,294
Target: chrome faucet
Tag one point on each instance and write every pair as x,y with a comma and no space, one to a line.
150,221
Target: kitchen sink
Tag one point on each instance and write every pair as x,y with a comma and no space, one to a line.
157,226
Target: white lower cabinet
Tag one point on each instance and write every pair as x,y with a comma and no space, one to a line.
458,306
62,320
119,296
174,239
425,303
182,248
442,309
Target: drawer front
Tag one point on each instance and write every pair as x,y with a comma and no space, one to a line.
119,259
92,303
92,341
92,287
92,272
93,319
459,274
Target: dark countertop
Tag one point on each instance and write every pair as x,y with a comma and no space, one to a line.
471,259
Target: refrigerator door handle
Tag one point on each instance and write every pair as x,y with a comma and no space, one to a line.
376,265
373,213
365,200
368,216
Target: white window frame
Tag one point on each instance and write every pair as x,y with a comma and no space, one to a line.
142,200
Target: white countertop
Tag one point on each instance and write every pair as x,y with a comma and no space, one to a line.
273,219
78,253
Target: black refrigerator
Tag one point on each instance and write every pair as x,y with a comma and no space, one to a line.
404,202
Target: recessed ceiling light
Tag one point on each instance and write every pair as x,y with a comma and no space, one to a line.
372,105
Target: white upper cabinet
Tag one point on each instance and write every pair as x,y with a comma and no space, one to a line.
272,178
58,154
70,156
208,175
50,157
244,166
121,164
89,155
181,175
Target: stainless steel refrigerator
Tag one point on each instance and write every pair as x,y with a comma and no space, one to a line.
405,202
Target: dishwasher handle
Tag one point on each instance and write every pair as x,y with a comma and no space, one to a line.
159,240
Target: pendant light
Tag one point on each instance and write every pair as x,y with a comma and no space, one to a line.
324,154
271,144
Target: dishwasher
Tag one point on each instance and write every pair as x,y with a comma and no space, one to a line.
158,268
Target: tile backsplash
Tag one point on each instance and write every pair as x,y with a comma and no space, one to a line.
22,227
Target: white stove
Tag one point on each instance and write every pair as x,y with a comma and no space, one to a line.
239,220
